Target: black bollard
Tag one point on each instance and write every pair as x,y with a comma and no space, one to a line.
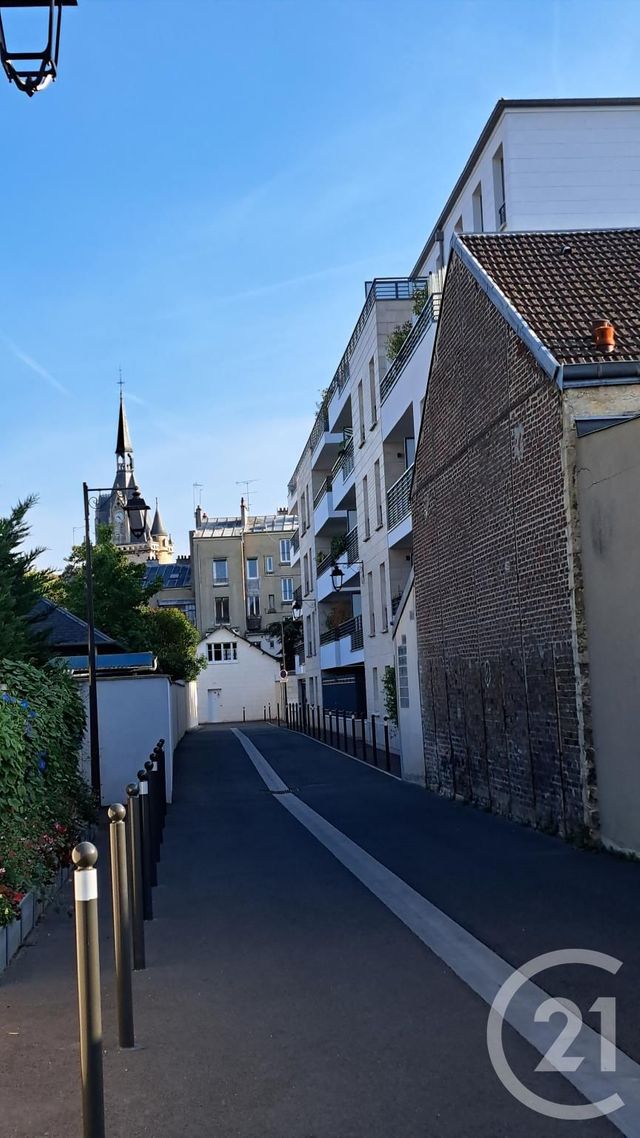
286,713
121,924
353,736
134,851
338,730
344,725
85,888
330,727
148,865
244,715
373,740
269,713
154,821
161,760
324,724
364,738
264,716
387,752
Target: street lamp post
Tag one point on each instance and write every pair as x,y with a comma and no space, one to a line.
137,510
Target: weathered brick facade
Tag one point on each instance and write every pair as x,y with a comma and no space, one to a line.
503,682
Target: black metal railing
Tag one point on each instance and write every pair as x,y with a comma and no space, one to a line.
347,460
427,317
398,499
395,604
295,542
352,628
352,545
502,214
319,427
297,595
325,487
254,623
324,564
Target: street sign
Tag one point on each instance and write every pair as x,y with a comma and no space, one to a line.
283,673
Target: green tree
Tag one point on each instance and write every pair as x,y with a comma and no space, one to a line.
119,594
21,586
292,638
170,635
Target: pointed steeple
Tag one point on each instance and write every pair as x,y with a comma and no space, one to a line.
124,446
157,529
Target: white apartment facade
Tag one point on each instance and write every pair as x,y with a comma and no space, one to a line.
538,164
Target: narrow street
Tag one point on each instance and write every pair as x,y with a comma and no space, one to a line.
285,994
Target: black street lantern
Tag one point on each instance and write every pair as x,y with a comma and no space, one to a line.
337,577
137,509
32,71
296,610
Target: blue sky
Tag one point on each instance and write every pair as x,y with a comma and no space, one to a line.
200,198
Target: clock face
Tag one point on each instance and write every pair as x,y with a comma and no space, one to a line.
119,516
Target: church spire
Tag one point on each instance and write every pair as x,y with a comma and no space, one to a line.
157,529
124,446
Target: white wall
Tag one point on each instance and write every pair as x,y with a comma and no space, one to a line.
250,682
134,712
410,718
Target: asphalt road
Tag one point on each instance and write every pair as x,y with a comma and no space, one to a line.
283,1000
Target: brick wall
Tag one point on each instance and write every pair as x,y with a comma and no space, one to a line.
503,713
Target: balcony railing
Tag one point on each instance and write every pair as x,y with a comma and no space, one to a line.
254,623
347,460
398,504
502,215
297,595
352,545
352,628
427,317
395,604
324,564
319,427
324,489
295,542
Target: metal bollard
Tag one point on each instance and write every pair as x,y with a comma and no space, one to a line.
269,713
330,727
373,741
324,724
338,730
148,866
387,753
85,887
286,713
154,826
364,738
134,851
344,725
278,713
244,715
161,760
265,713
121,924
353,736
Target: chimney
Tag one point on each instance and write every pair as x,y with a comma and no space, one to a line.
604,335
243,514
198,517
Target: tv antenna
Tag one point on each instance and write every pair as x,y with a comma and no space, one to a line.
247,482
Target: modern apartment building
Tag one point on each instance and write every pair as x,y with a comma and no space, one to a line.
538,164
242,571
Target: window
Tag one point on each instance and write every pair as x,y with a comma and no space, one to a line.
403,674
498,188
409,452
224,653
287,590
361,412
220,571
476,205
383,597
222,610
253,606
272,602
365,496
372,392
252,568
285,551
378,493
372,610
268,564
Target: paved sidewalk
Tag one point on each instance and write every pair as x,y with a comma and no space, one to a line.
281,999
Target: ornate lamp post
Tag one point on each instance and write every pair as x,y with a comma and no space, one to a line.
137,509
32,71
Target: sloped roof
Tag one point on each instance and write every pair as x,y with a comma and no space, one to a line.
123,441
173,576
157,528
62,628
561,283
232,527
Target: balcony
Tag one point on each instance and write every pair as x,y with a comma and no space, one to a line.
344,488
398,499
425,321
342,645
254,624
297,595
347,561
326,517
295,548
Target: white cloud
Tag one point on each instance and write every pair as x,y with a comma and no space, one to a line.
33,365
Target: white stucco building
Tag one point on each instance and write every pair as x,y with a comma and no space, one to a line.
239,681
538,164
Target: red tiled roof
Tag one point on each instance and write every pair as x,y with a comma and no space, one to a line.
561,283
